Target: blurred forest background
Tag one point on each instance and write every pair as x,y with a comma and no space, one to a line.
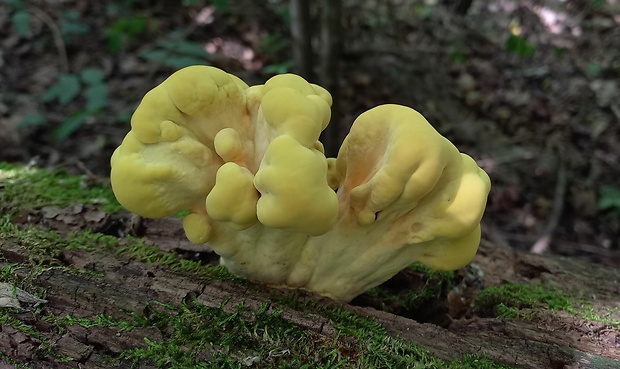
530,89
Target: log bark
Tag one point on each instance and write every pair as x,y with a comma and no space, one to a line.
91,284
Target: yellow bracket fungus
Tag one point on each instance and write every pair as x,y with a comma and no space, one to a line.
247,164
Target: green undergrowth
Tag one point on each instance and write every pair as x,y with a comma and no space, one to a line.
519,300
30,187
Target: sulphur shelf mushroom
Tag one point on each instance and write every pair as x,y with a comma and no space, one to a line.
247,165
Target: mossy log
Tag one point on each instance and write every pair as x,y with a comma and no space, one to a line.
156,302
98,283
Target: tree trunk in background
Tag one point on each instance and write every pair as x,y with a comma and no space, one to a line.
462,6
331,44
301,31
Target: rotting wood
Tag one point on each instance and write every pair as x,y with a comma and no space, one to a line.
124,286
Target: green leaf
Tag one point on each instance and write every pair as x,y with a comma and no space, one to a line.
271,44
70,29
221,5
69,88
158,56
183,61
513,42
124,30
282,11
279,68
136,25
527,50
169,59
21,22
97,97
92,76
70,15
114,40
123,117
609,198
130,26
186,48
69,125
424,11
71,25
15,4
65,90
519,45
177,53
457,54
593,69
32,120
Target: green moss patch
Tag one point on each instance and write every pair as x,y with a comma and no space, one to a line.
46,246
510,300
517,301
31,188
195,336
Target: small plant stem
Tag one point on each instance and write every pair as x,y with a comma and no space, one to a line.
56,35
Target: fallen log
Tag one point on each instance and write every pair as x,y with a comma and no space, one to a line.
95,285
82,293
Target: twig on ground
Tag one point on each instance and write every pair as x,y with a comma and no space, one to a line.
56,35
564,246
608,159
542,244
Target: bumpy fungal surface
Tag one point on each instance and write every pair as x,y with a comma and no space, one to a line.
246,162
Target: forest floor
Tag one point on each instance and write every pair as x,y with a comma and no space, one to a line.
529,89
